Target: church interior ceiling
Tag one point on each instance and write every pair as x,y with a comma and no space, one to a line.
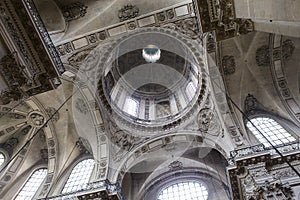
152,96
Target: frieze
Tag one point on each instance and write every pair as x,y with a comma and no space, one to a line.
161,18
187,27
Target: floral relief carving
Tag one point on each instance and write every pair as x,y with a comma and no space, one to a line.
128,12
74,11
263,56
81,106
229,65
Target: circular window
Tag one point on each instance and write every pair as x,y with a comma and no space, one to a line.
188,190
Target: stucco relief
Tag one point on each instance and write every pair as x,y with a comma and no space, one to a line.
74,11
229,65
187,27
128,12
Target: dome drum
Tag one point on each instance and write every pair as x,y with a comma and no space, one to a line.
158,96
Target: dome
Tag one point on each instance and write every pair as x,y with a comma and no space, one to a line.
153,79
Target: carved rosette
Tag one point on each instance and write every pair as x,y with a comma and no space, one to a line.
36,119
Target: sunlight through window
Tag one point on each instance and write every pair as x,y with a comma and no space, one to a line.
131,107
271,130
79,176
189,190
32,185
2,159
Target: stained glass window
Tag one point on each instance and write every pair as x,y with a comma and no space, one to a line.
79,176
184,191
271,130
32,185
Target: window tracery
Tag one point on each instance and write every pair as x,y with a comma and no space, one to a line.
79,176
32,185
270,130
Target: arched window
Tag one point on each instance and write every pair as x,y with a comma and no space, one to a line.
190,90
271,130
2,159
32,184
79,176
186,190
131,106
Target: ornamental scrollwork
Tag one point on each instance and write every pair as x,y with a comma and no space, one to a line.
187,27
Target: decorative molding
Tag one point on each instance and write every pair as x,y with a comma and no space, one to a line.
280,82
28,38
219,16
261,175
176,165
104,190
98,57
157,18
162,142
36,119
188,27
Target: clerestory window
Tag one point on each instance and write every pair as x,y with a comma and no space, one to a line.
2,159
131,106
185,190
271,131
32,185
79,176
